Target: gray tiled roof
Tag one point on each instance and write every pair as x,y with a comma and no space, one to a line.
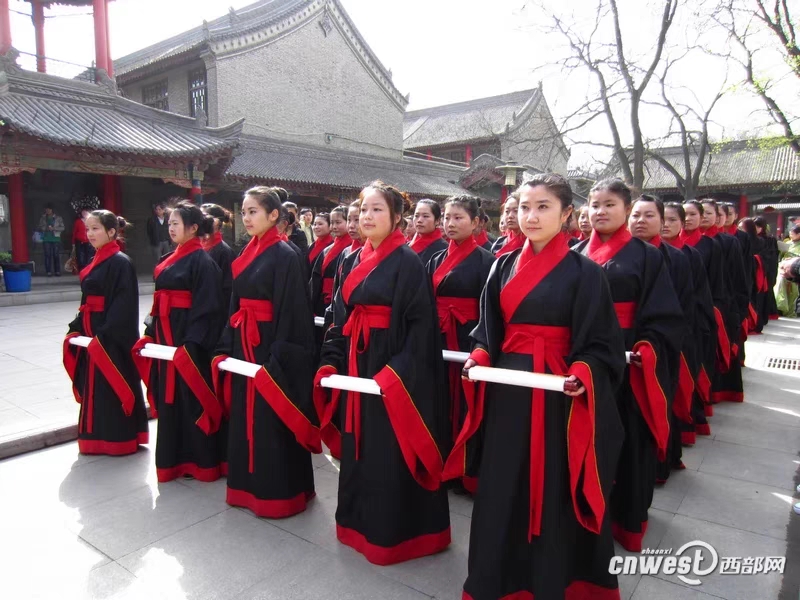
739,163
272,161
257,14
464,121
76,113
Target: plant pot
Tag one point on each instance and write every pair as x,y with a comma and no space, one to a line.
17,281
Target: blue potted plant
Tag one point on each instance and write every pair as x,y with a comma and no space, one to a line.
17,276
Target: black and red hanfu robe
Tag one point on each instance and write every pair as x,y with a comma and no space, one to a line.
459,275
506,244
540,524
727,385
187,314
680,274
223,256
771,255
317,247
652,323
273,426
113,417
391,507
748,265
483,240
701,358
428,244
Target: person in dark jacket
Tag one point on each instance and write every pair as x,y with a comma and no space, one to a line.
295,233
158,232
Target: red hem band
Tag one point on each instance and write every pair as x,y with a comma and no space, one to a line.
423,545
774,317
269,509
727,396
143,437
703,429
110,448
470,484
223,469
577,590
630,540
199,473
708,409
688,438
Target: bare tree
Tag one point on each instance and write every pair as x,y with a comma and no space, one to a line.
627,80
741,20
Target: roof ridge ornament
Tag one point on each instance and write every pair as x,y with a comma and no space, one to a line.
206,31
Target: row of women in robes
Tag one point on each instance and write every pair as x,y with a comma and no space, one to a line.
554,476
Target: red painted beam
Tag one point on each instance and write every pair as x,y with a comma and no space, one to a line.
38,26
19,231
5,27
100,35
468,155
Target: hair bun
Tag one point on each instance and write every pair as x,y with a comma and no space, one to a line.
480,202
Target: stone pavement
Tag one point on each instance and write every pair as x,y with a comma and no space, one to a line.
99,527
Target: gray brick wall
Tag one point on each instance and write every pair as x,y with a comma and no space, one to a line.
177,90
304,85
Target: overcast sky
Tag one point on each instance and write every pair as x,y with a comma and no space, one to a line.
440,51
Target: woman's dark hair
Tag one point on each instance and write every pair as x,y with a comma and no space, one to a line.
191,214
762,223
556,185
342,211
795,230
109,220
616,186
222,214
283,195
726,207
435,208
678,208
482,214
697,204
267,197
325,217
657,201
306,210
749,226
470,204
396,200
284,216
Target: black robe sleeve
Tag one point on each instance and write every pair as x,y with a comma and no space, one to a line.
205,319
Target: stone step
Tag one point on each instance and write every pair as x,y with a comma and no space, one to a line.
50,292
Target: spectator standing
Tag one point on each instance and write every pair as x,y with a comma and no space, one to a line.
306,219
51,226
158,232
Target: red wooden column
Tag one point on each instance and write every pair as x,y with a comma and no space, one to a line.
744,209
503,196
110,194
5,27
109,62
38,26
780,222
429,155
468,155
19,231
100,35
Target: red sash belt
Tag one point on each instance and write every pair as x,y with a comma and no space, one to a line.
163,303
626,314
453,312
251,312
92,304
548,346
361,320
327,290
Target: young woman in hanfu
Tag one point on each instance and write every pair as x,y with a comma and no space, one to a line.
324,267
702,357
459,274
646,223
652,323
323,237
392,507
187,314
112,418
218,250
513,238
428,238
273,426
540,528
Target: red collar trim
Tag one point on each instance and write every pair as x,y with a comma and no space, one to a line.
336,249
601,252
455,255
106,252
253,249
183,250
711,231
529,271
482,239
676,243
318,246
420,242
213,240
513,241
369,259
691,238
